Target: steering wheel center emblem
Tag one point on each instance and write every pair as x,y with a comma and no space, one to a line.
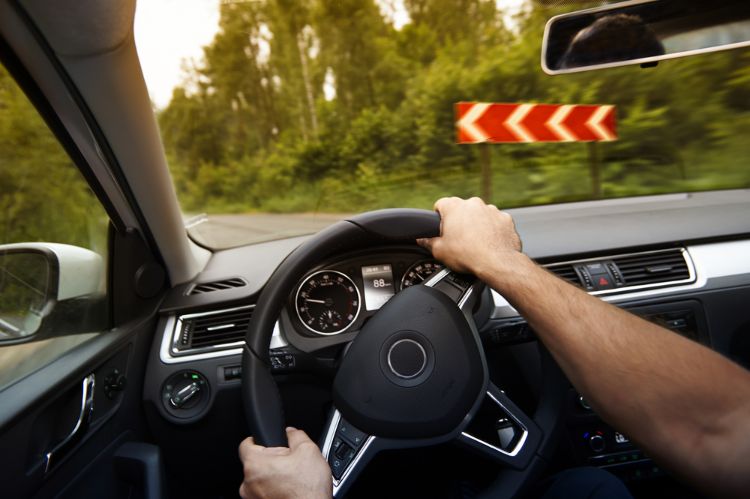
407,359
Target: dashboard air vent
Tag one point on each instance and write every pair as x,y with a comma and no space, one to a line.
622,273
207,287
565,271
653,268
212,330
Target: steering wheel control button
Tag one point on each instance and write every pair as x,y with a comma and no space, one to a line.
346,443
407,359
340,459
350,434
337,467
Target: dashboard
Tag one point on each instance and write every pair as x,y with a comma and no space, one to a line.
660,257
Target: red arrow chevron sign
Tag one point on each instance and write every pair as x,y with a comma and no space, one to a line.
478,122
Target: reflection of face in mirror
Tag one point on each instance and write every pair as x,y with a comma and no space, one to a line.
24,281
612,38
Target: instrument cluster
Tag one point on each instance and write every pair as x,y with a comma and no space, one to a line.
341,295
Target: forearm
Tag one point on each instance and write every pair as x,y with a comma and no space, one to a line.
685,411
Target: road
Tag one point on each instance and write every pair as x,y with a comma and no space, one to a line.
226,231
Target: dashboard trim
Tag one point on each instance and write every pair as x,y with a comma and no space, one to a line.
709,261
625,289
706,262
172,333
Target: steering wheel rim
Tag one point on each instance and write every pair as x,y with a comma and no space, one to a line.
261,399
259,390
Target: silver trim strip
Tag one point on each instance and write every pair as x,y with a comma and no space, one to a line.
626,288
331,432
172,331
278,340
618,64
465,297
174,347
700,270
437,277
84,417
521,441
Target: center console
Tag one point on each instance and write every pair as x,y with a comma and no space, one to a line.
594,442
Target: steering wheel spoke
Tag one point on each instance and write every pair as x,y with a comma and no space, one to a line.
463,289
501,431
414,376
347,451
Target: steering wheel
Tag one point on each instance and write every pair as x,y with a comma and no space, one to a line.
414,376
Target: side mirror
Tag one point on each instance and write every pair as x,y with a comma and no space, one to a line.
47,287
642,32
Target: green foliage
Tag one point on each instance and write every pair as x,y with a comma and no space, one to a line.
42,195
252,128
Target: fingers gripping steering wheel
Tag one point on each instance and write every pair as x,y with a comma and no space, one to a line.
415,375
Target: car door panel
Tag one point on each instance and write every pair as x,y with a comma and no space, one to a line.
44,407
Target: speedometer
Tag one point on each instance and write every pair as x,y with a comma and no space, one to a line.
327,302
419,272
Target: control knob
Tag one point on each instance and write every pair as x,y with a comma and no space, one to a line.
185,392
597,443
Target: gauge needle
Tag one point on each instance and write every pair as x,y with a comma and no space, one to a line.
315,301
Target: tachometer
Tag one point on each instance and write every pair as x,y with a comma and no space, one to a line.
419,272
327,302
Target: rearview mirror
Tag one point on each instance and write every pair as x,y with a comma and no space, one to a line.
42,283
642,32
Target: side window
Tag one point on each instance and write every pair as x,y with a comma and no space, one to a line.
53,244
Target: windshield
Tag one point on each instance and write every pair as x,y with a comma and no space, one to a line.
281,116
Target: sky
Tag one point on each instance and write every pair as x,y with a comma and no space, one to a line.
192,24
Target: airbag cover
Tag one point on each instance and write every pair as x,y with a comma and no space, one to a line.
414,371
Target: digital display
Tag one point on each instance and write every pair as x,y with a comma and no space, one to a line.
379,287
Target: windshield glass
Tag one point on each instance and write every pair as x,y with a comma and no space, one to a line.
281,116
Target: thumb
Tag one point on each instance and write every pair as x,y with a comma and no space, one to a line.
427,243
296,437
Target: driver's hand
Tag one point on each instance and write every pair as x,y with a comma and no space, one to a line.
475,237
280,472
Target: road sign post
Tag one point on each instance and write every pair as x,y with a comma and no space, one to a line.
485,161
502,123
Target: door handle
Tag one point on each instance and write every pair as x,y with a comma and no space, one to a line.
61,449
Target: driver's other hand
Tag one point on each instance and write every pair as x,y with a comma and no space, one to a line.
474,236
281,473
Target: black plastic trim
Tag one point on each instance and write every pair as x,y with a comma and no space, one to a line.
45,110
140,464
102,143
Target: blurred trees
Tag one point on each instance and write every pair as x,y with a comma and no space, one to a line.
323,105
310,105
43,197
